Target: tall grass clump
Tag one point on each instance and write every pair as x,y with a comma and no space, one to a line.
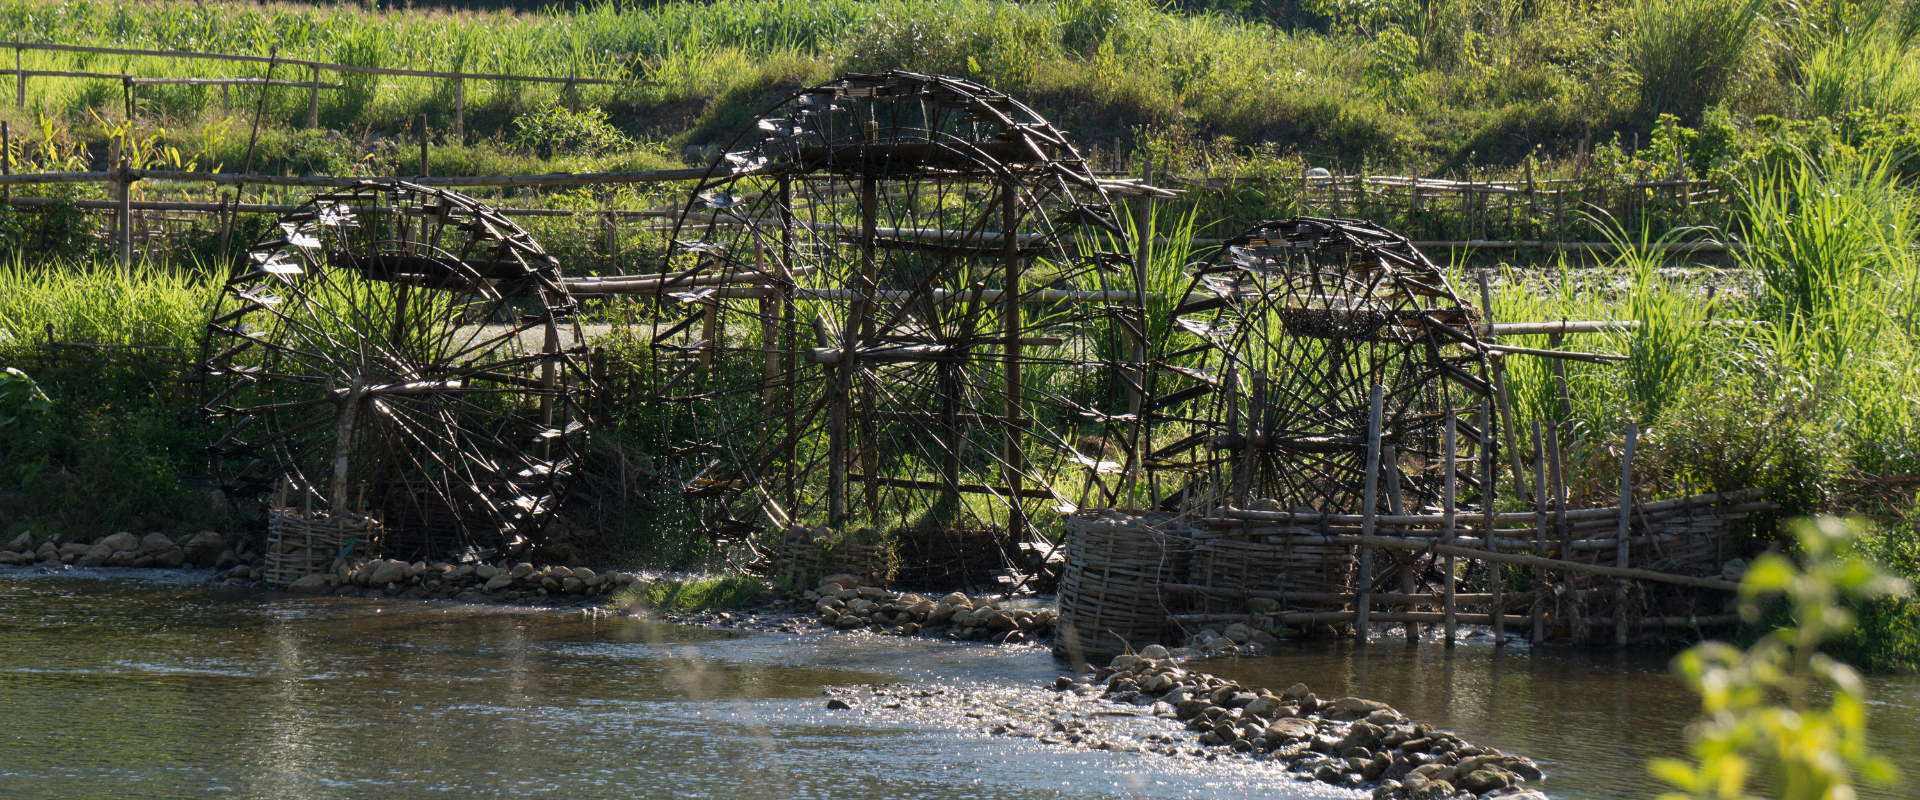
1831,243
1687,54
96,303
119,444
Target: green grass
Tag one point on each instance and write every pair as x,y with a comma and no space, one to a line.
693,594
1448,84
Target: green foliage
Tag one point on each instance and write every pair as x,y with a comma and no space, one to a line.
693,594
19,396
556,129
1688,54
1781,710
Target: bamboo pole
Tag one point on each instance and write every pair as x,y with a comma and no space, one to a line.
1313,597
1014,462
1450,626
313,100
1363,588
1496,577
1620,558
1311,617
1390,469
413,73
1539,530
460,110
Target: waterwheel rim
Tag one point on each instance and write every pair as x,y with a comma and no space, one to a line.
874,207
402,352
1287,329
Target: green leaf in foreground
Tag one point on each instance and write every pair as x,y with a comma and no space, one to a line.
1782,710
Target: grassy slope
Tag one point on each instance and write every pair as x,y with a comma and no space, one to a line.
1456,83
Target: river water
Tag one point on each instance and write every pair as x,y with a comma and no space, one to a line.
140,684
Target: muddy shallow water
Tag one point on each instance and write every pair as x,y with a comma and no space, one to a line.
130,684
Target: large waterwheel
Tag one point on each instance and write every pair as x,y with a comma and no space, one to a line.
1264,389
399,352
940,336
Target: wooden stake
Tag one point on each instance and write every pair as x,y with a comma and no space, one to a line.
1447,500
1554,340
123,219
1363,589
1620,557
1397,506
1539,530
423,146
1140,432
1500,392
313,100
19,83
1496,578
460,110
1014,464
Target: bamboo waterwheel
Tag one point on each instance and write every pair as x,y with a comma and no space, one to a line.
1264,390
400,352
936,343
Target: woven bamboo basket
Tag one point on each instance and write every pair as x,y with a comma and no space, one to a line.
1110,596
1292,563
301,543
801,560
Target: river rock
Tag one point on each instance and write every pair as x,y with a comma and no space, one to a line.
22,543
1263,706
1238,633
310,584
840,581
522,570
204,548
1487,779
1286,731
47,552
93,556
226,559
121,541
153,543
499,581
486,572
958,600
1154,652
1347,708
170,558
1362,735
837,704
572,585
385,572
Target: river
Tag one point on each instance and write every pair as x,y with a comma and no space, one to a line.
144,684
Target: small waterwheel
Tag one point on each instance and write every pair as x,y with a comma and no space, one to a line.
400,352
934,346
1264,390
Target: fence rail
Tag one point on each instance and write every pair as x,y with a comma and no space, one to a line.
132,222
313,84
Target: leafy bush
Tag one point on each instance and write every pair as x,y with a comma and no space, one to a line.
556,129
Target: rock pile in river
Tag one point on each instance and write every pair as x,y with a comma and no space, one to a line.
464,582
123,549
1347,741
843,603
